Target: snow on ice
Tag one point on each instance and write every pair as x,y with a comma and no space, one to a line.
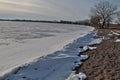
58,60
56,66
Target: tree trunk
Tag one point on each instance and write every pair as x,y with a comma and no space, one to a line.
108,24
103,24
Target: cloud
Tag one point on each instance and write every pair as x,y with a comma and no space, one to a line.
54,9
42,7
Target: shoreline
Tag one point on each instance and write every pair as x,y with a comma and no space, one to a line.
64,58
19,52
103,62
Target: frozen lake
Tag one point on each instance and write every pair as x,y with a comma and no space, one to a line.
22,42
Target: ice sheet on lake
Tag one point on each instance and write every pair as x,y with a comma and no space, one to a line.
19,51
56,66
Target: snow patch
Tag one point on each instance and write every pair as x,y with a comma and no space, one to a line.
114,33
84,57
117,40
96,41
80,76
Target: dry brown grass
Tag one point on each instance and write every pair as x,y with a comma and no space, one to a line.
104,62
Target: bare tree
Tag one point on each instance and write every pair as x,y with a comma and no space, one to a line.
95,21
104,10
118,18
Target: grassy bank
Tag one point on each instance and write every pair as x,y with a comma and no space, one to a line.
103,62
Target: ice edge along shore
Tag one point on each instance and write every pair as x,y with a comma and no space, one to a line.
59,65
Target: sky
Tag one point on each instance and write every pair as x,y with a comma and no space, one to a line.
48,9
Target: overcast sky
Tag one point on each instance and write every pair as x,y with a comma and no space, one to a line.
48,9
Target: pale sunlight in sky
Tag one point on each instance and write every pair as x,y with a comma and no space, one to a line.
47,9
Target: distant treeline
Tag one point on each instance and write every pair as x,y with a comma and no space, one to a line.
83,22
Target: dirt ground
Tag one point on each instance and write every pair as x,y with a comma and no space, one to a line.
103,62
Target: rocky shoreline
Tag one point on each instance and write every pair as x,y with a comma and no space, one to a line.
103,62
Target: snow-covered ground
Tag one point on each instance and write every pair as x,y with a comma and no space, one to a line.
22,42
